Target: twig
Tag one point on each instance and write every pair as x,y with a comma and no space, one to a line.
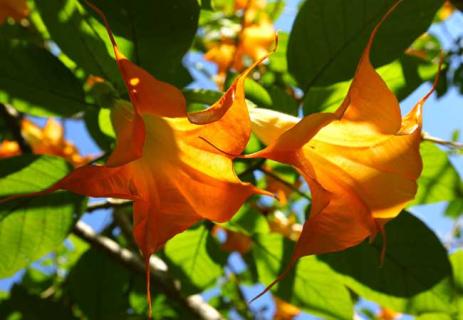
13,121
195,303
450,144
107,205
286,183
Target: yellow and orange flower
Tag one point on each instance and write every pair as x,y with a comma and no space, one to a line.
388,314
255,40
47,140
445,11
361,161
285,310
170,163
9,149
235,241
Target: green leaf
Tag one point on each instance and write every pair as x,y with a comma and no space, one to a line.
195,258
153,34
32,227
439,180
275,9
402,76
282,101
89,46
416,276
278,61
92,123
163,306
248,220
457,265
434,316
159,33
205,4
311,285
35,82
99,286
105,124
30,173
37,281
328,37
454,208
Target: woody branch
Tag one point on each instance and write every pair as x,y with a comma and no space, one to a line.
195,303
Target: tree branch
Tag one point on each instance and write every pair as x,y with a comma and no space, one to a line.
195,303
450,144
13,121
107,205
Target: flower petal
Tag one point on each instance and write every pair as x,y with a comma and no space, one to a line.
361,162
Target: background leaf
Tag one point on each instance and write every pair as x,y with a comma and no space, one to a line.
153,34
159,33
309,285
439,180
416,276
403,76
99,286
457,265
36,82
195,258
328,37
32,227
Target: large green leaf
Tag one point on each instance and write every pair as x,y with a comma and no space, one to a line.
32,227
328,37
311,285
402,76
195,258
80,36
36,82
439,180
160,33
99,286
153,34
30,173
416,276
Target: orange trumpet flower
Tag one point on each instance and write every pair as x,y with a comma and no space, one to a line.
47,140
255,40
167,161
361,162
